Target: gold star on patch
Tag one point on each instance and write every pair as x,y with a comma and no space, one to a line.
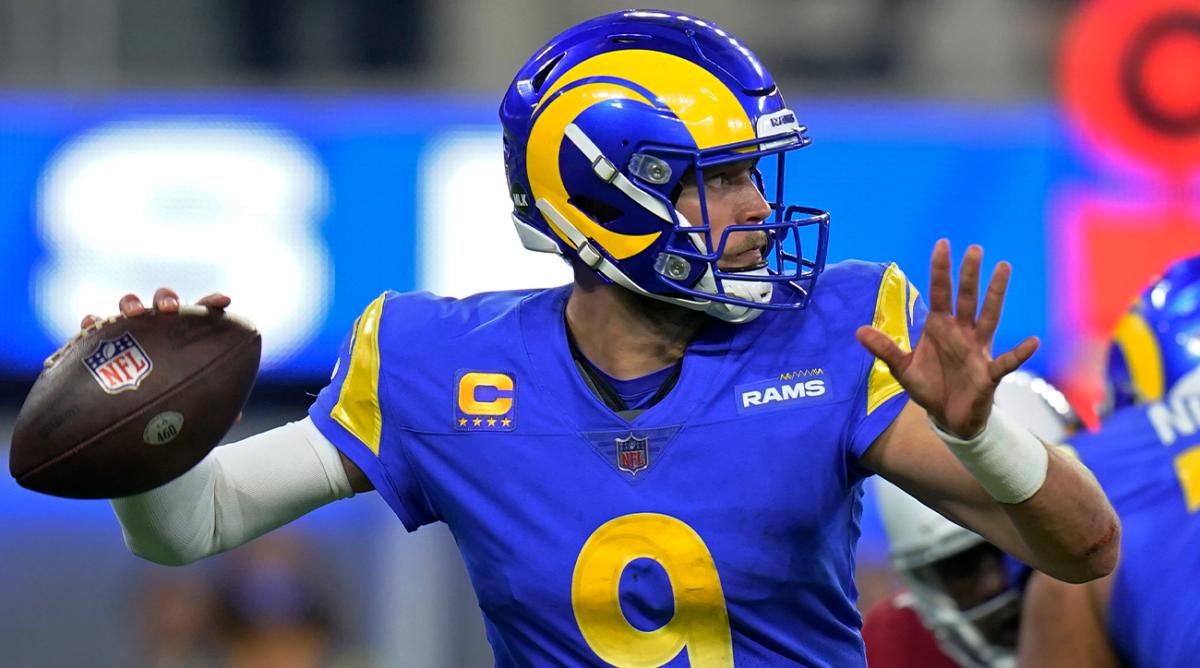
491,422
505,422
476,422
462,422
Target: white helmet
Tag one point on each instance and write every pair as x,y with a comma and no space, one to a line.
919,538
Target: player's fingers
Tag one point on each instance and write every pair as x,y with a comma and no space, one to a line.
216,301
88,321
882,346
166,300
968,285
993,303
1013,359
131,305
940,288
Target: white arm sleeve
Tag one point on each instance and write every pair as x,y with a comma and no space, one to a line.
238,492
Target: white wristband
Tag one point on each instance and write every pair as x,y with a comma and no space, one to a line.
1006,458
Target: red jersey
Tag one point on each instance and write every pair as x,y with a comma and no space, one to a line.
896,638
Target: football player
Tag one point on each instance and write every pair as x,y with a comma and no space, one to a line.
1146,457
664,460
962,599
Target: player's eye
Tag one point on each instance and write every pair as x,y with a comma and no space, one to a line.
724,177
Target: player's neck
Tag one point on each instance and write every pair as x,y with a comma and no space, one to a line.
625,335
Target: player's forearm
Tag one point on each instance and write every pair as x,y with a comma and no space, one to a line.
172,525
236,494
1055,505
1062,625
1069,525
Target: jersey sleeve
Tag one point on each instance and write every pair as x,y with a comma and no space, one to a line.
355,412
900,313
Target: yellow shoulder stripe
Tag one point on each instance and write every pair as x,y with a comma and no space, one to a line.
357,408
892,308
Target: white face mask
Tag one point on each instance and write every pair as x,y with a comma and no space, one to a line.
758,292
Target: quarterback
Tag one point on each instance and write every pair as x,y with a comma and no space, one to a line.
661,463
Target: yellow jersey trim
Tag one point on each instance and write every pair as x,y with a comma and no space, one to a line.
357,408
892,308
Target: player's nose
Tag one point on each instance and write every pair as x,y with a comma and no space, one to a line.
756,208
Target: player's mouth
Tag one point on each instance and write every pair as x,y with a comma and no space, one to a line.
748,260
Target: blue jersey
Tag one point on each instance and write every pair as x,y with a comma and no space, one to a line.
717,526
1148,461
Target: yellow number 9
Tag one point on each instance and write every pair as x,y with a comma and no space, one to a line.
700,622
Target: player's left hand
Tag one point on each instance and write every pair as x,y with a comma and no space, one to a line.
951,373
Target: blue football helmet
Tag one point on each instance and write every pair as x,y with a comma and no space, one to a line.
603,123
1157,342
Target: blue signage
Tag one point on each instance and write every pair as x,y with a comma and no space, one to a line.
305,208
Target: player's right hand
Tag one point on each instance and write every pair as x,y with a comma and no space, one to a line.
166,300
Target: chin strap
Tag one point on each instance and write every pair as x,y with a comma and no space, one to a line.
758,292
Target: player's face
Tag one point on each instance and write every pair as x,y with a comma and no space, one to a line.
976,577
733,198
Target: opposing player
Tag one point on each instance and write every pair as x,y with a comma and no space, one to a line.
1146,456
962,599
662,461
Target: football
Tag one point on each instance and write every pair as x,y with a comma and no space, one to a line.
132,403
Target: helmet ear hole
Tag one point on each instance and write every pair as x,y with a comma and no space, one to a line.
595,209
539,78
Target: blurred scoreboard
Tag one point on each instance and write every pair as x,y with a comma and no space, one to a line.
304,208
301,209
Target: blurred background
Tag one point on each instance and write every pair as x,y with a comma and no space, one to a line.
304,155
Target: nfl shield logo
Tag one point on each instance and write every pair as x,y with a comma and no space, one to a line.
633,455
119,364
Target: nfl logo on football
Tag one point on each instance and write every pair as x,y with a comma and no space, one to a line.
632,454
119,364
